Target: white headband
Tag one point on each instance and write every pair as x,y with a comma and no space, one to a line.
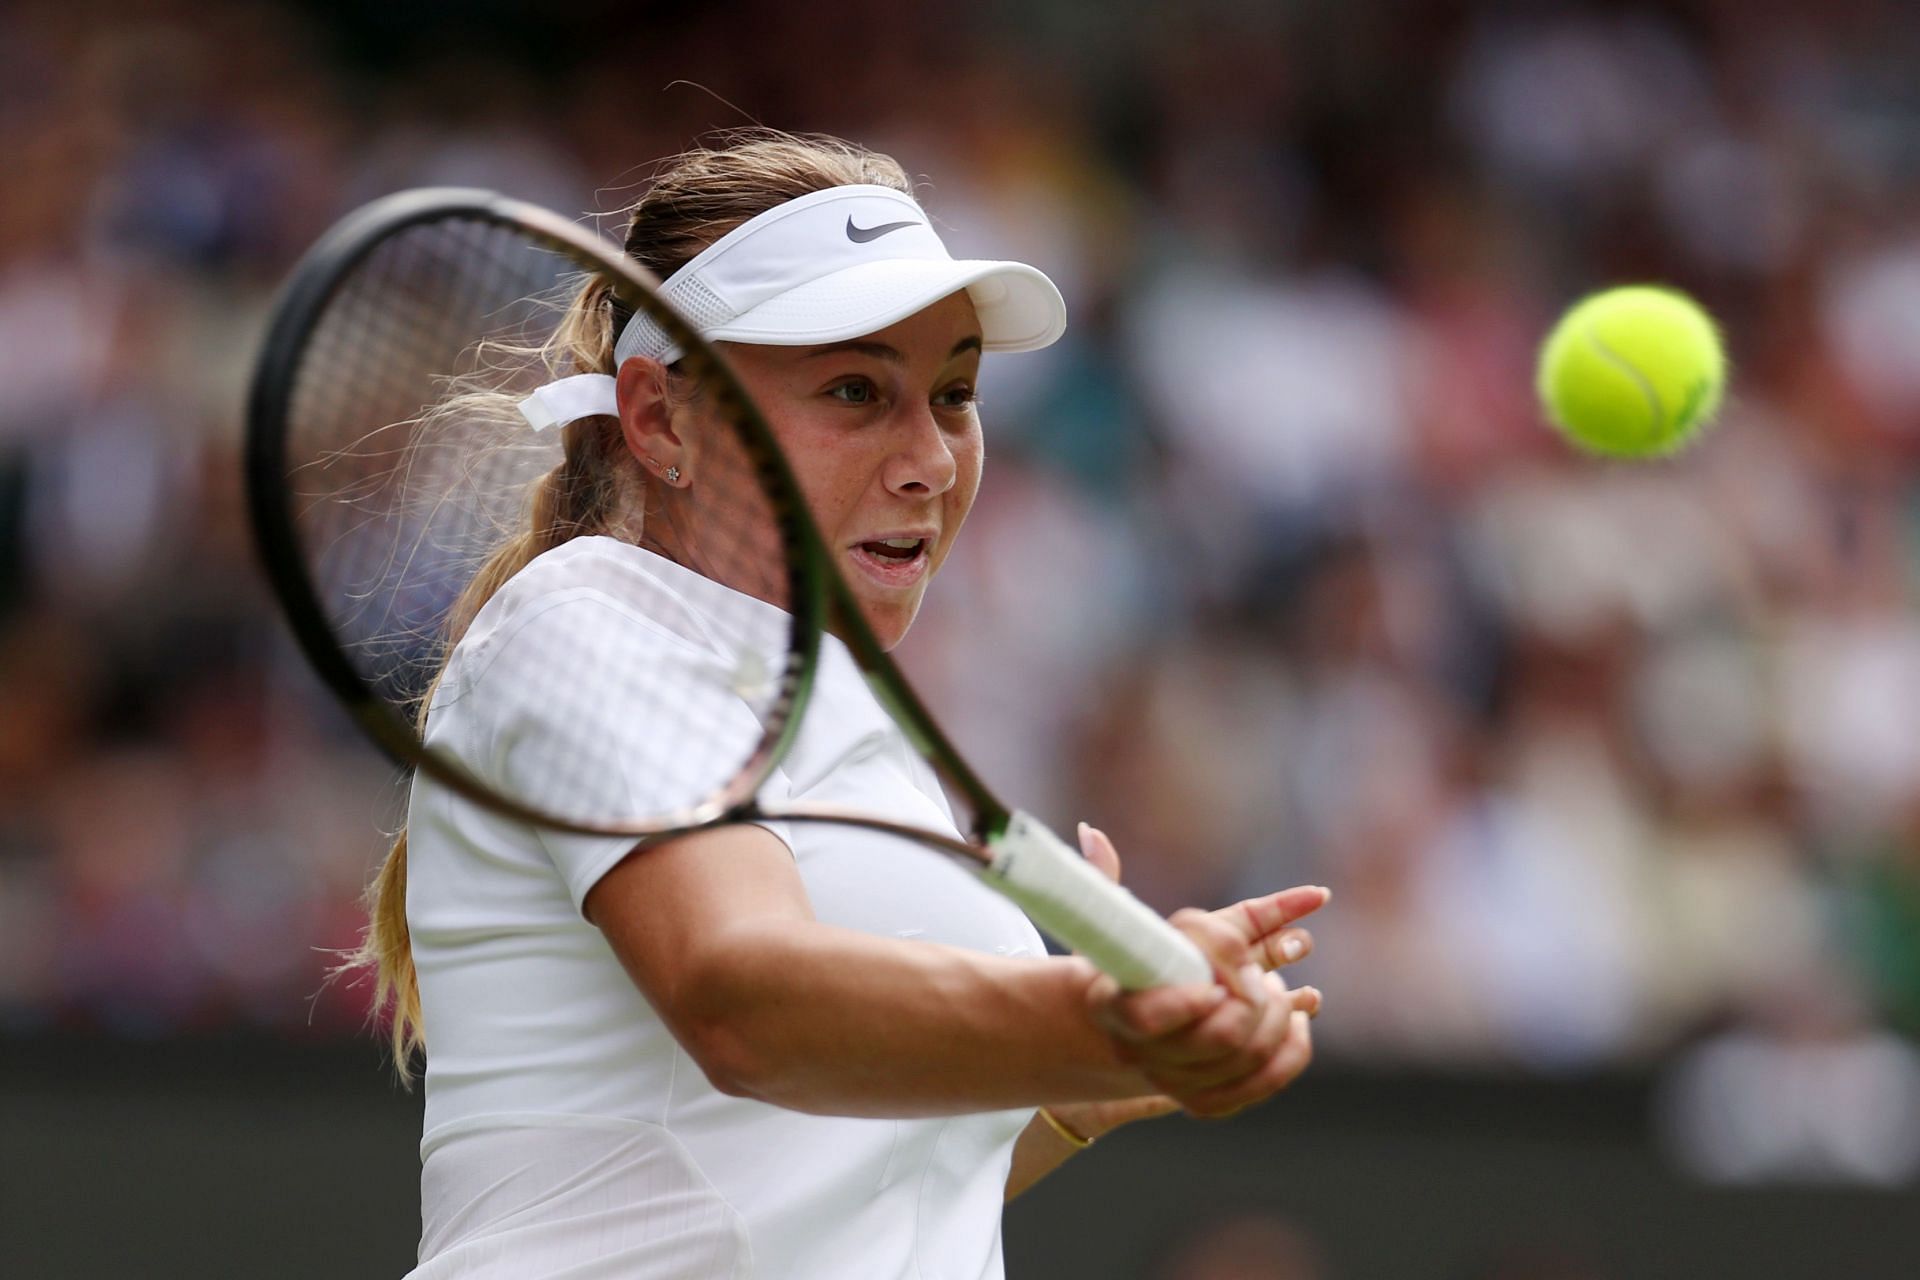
828,266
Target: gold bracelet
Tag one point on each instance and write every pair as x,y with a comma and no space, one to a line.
1053,1122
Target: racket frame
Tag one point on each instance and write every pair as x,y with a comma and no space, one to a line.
816,593
1025,860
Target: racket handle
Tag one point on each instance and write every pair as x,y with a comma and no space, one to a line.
1067,896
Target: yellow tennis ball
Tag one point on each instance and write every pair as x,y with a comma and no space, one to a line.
1632,372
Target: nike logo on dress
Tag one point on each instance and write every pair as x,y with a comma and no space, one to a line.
860,235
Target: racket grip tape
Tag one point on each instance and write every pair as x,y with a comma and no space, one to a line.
1067,896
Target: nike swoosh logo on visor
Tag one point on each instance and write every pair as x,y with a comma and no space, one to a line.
860,235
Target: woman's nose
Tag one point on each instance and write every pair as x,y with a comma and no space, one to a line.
923,463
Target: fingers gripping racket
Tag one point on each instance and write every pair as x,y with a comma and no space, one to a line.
378,482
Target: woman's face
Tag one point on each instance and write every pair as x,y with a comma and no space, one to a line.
883,433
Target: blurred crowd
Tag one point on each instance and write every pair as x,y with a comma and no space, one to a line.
1276,574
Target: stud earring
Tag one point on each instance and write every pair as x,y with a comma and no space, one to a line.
673,475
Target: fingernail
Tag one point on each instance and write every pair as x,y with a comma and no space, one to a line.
1253,984
1083,830
1293,948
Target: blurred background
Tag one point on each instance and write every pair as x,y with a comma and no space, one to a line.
1614,770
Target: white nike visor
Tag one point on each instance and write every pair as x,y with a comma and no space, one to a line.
825,267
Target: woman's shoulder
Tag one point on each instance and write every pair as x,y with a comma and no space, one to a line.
585,592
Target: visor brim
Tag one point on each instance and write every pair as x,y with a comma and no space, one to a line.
1018,307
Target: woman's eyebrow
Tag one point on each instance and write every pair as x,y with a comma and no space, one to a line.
881,351
878,350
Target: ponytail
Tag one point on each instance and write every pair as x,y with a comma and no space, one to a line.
566,503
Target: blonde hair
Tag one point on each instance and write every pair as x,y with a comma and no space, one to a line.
694,198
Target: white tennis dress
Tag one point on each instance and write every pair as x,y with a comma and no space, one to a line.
567,1134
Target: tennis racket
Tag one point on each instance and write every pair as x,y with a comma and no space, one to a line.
374,497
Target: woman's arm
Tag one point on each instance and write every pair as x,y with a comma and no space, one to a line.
1037,1152
716,930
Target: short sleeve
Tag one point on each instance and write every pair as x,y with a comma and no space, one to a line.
597,715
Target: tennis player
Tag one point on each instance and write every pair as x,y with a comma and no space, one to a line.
762,1050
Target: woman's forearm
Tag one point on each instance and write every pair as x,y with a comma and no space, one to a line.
716,929
819,1018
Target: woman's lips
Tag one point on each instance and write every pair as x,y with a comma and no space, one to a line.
887,566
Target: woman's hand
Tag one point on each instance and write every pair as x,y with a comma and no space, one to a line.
1211,1055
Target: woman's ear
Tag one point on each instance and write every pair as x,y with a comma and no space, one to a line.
647,419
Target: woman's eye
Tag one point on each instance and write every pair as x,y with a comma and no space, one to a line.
856,392
956,397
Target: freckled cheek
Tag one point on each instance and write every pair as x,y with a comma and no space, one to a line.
959,499
832,483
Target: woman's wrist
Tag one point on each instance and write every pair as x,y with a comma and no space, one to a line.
1113,1075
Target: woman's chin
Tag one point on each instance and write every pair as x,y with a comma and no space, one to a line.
890,619
888,591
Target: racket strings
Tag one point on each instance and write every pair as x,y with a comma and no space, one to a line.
621,691
408,500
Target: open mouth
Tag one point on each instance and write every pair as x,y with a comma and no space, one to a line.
893,562
896,548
